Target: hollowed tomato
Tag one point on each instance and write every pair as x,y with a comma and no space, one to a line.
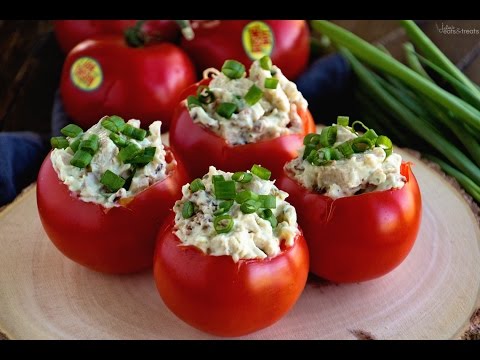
360,237
115,240
200,147
221,297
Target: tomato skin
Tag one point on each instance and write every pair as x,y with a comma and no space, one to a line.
119,240
224,298
214,44
69,33
141,83
200,147
359,237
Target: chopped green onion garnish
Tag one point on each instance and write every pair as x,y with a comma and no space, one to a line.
261,172
271,83
242,177
311,138
267,214
118,121
196,185
119,140
308,149
336,154
361,144
109,125
129,152
343,120
273,221
193,101
223,224
266,62
223,207
90,145
188,210
225,190
253,95
313,158
245,195
204,94
226,109
75,144
59,142
267,201
133,132
371,134
144,157
233,69
385,143
249,206
71,130
81,159
112,181
320,157
325,154
346,149
216,178
328,137
359,122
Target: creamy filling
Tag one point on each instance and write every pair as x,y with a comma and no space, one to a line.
363,172
86,182
274,115
251,237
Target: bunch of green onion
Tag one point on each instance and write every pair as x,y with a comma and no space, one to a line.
409,105
234,70
320,149
225,190
85,148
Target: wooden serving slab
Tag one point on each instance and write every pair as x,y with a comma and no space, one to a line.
431,295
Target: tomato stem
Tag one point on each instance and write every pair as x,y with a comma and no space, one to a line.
134,35
186,28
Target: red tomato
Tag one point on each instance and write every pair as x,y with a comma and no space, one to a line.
221,297
105,76
71,32
359,237
200,147
286,41
117,240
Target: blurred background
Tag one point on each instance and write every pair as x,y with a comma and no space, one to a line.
31,62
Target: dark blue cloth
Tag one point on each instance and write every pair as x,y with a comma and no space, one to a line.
327,86
21,154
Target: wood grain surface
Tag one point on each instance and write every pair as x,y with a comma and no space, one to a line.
431,295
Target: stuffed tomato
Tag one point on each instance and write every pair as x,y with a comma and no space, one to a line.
103,194
358,203
233,121
232,259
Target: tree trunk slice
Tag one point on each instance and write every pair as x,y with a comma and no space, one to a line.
431,295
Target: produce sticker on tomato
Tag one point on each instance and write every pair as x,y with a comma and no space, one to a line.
86,74
257,39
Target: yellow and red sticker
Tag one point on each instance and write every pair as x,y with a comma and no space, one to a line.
257,39
86,73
